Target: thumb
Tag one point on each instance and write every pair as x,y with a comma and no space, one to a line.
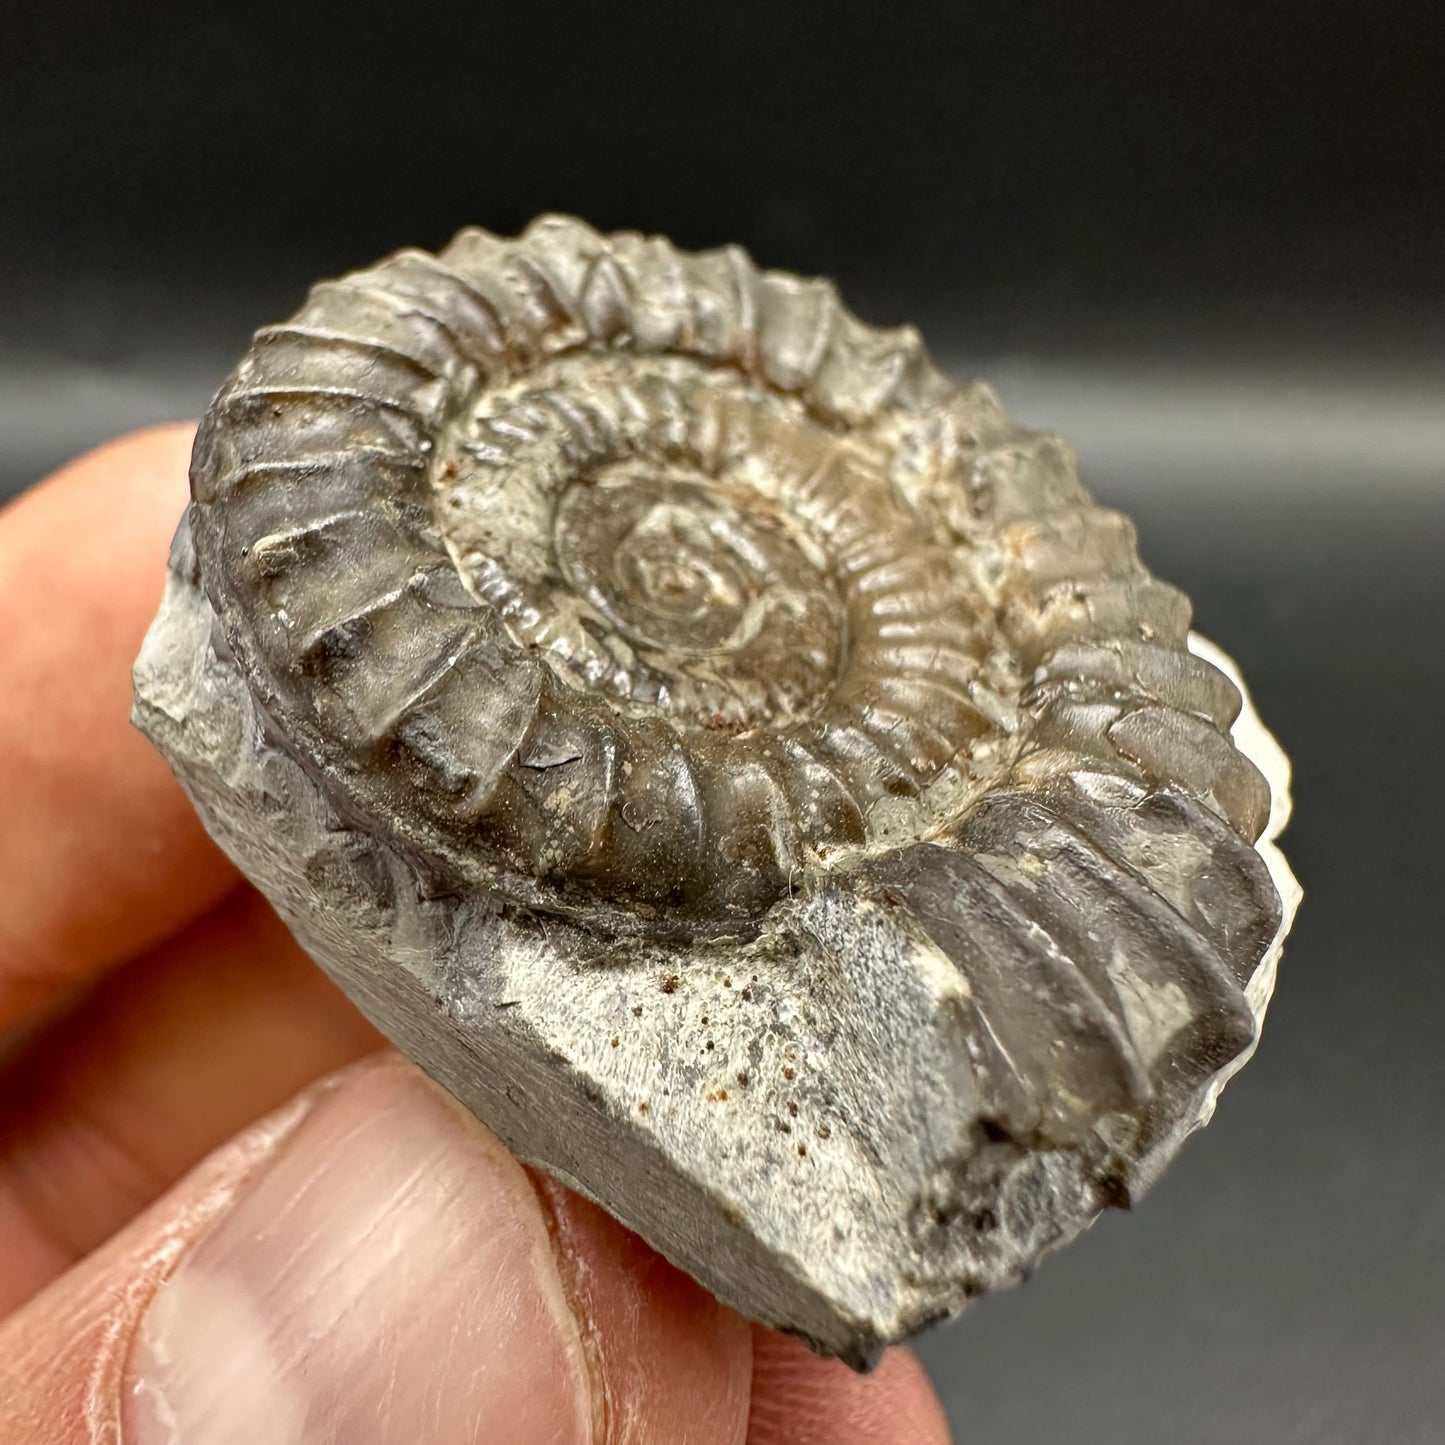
371,1266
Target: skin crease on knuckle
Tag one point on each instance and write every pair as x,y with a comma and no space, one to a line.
109,862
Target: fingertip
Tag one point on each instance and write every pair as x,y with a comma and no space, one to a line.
100,854
799,1399
218,1026
675,1364
377,1269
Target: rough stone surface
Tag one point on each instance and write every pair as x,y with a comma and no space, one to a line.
750,774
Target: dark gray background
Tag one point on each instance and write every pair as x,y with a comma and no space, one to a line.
1206,242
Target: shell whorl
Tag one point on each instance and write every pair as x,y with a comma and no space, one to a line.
616,578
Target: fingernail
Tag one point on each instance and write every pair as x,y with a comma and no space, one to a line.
387,1277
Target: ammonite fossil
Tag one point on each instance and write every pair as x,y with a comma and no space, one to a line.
742,767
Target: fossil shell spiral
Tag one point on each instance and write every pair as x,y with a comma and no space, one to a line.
675,620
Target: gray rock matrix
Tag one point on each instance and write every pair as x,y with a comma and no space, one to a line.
748,772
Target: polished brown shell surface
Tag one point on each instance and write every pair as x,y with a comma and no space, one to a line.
609,574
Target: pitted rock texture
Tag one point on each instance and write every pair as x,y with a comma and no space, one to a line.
748,772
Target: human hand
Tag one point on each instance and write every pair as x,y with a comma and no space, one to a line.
364,1265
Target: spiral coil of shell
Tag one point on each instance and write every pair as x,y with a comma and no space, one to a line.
633,584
